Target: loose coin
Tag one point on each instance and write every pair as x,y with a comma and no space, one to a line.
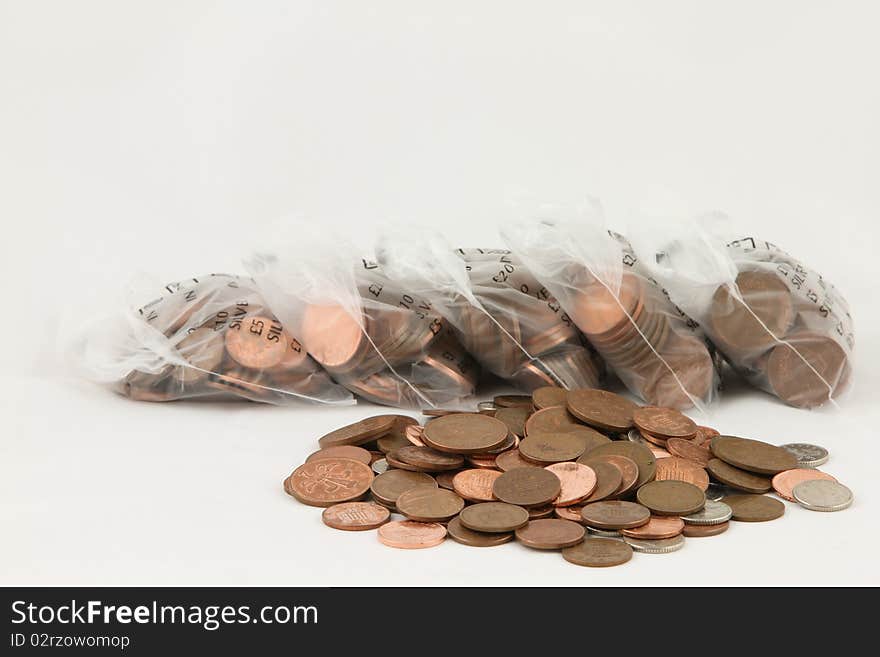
604,533
326,482
550,534
355,516
601,409
546,448
487,407
700,531
662,546
389,486
461,534
753,455
666,422
614,514
515,418
716,491
444,479
528,487
629,471
738,479
671,498
808,456
822,495
754,508
388,444
713,513
657,528
634,451
379,466
687,450
465,433
548,396
577,481
343,451
608,480
572,513
493,517
509,401
598,553
678,469
410,535
784,482
551,420
486,461
429,504
476,484
428,459
538,512
359,432
511,459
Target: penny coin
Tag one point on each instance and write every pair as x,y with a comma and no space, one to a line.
429,504
592,438
510,401
388,444
700,531
659,453
461,534
754,508
678,469
326,482
738,479
753,455
598,553
548,396
577,480
806,370
546,448
572,513
528,487
379,466
515,418
465,433
658,527
355,516
654,441
633,451
750,316
671,498
343,451
494,517
476,484
808,456
391,459
389,486
486,461
428,459
661,546
629,470
550,534
784,482
259,343
359,432
411,535
608,480
553,419
666,422
413,434
614,514
511,459
685,449
444,479
704,435
822,495
711,514
538,512
601,409
331,335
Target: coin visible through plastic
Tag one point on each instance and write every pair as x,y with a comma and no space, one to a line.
355,516
428,459
550,534
343,451
461,534
754,508
678,469
784,482
326,482
546,448
493,517
598,553
548,396
465,433
475,485
410,535
822,495
701,531
259,342
808,456
739,479
633,451
658,527
527,487
687,450
753,455
511,459
666,422
615,514
608,480
601,409
807,369
577,481
712,514
429,504
359,432
661,546
389,486
671,498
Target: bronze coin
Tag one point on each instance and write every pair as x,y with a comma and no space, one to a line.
699,531
572,513
528,487
665,422
739,479
427,459
671,498
750,318
461,534
547,448
592,438
704,435
654,440
494,517
355,516
685,449
511,459
629,471
614,514
807,370
388,486
343,451
465,433
548,396
538,512
388,444
429,504
578,482
444,479
550,534
657,528
678,469
510,401
754,508
475,485
258,343
643,457
784,482
601,409
551,420
753,455
326,482
486,461
598,553
608,480
411,535
359,432
515,418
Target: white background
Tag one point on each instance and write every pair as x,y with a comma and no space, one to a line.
160,137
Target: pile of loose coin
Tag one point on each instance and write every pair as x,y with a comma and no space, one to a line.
585,471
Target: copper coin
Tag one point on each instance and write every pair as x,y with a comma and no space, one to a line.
598,553
753,455
546,448
807,370
666,422
659,453
678,469
601,409
608,480
685,449
784,482
739,479
572,513
461,534
704,435
203,348
437,412
699,531
634,451
444,479
614,514
592,438
528,487
629,471
658,527
387,487
486,461
577,480
654,441
355,516
539,512
754,508
413,434
494,517
390,443
550,534
411,535
331,336
429,504
551,420
344,451
511,459
515,418
465,433
510,401
548,396
360,432
671,498
475,485
326,482
427,459
750,317
258,343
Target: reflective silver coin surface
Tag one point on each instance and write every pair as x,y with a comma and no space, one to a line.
808,456
379,466
714,513
661,546
605,533
822,495
716,491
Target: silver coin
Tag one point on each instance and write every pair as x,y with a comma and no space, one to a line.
822,495
605,533
486,406
716,492
634,436
379,466
714,513
808,456
661,546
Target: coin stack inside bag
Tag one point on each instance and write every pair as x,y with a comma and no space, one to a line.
585,471
232,344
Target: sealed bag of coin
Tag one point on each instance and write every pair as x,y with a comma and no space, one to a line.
203,337
653,347
374,336
779,323
501,314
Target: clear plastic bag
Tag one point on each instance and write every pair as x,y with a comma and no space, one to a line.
779,323
375,337
210,336
653,347
500,312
